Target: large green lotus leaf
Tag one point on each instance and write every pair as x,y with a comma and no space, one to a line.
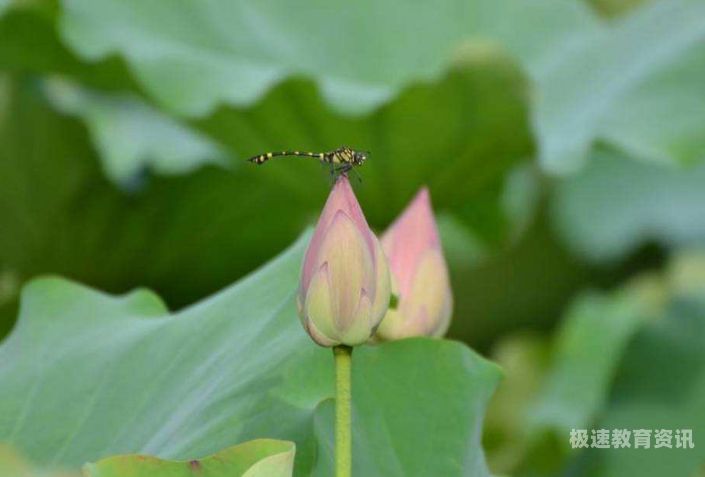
196,55
132,136
602,74
87,375
210,72
617,204
586,73
664,118
258,458
192,70
49,55
439,455
593,80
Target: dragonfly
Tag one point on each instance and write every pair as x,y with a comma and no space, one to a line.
341,160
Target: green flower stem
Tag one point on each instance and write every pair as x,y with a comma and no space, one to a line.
343,415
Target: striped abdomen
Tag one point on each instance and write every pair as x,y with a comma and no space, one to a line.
262,158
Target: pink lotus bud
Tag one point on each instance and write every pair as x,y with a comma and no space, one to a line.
419,274
345,284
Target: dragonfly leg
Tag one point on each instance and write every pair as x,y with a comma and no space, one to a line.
357,176
343,169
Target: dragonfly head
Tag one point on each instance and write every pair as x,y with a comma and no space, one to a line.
359,157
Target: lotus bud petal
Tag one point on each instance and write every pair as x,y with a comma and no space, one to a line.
345,286
419,275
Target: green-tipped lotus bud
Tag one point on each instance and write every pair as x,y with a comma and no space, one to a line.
345,286
419,275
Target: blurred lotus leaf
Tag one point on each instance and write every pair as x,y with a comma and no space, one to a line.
131,136
631,359
617,204
587,73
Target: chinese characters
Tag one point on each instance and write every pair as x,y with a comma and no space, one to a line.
631,438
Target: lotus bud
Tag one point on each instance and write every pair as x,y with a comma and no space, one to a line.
419,275
345,286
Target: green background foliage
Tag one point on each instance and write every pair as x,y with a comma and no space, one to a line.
562,142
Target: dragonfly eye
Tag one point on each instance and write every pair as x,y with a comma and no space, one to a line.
360,158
